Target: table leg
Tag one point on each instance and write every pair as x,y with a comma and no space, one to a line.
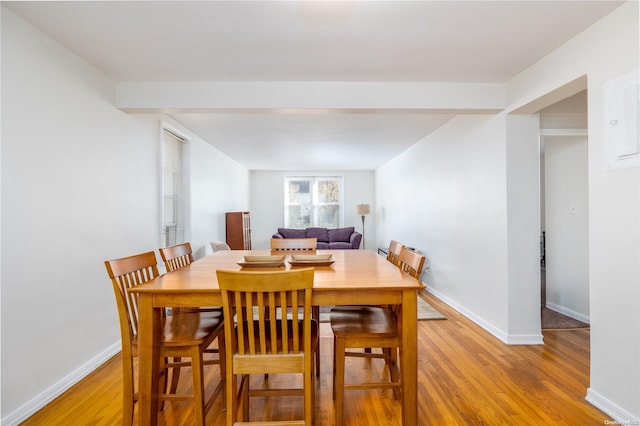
148,360
409,357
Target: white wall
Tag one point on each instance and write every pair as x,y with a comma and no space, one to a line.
567,222
523,228
80,184
465,216
473,209
267,203
218,185
614,206
454,211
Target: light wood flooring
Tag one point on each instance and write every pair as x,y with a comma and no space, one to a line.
466,377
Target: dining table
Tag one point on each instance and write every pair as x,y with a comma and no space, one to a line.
356,277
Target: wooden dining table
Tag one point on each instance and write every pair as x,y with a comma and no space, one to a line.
356,277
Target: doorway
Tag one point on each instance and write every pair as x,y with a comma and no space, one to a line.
564,216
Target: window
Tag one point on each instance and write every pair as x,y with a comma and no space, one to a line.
172,189
313,201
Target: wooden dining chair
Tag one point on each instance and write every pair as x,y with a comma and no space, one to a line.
362,327
176,257
297,245
294,244
268,341
411,262
393,255
184,334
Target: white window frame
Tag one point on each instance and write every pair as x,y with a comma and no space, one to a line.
183,226
314,179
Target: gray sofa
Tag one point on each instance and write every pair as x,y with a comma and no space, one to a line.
328,239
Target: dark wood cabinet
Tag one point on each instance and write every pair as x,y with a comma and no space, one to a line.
239,230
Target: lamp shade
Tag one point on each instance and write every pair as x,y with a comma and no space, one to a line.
363,209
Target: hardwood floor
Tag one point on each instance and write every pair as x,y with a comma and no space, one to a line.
466,377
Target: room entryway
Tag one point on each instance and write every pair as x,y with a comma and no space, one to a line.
564,215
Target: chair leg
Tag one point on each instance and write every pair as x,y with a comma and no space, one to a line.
232,396
163,381
392,364
175,377
198,385
334,366
223,369
395,358
308,397
388,360
245,397
127,391
338,387
313,399
315,314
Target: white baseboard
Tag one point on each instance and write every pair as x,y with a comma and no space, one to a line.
619,414
568,312
33,406
525,339
509,339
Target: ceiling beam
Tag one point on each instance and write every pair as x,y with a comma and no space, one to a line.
468,98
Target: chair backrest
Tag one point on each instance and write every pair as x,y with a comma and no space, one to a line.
394,252
176,257
294,244
219,245
126,273
246,295
411,262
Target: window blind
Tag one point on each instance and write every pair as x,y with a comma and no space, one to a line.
172,197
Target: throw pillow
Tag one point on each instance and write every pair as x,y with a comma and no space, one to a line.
340,234
320,233
291,233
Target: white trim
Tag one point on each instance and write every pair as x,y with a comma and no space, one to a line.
619,414
525,339
568,312
185,191
509,339
48,395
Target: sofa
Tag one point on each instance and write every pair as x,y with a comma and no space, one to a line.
328,239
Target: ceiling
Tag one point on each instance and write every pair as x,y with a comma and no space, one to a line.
329,41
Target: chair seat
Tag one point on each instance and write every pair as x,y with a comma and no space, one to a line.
363,322
193,331
190,327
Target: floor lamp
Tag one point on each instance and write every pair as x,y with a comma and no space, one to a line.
363,209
